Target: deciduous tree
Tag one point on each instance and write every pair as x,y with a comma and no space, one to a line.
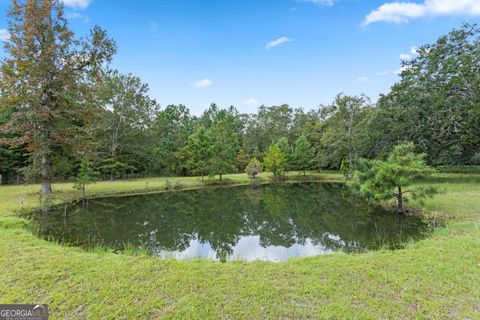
47,78
436,103
128,114
275,160
253,168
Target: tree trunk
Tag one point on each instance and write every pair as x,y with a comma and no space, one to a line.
202,176
304,174
46,178
400,201
220,177
1,181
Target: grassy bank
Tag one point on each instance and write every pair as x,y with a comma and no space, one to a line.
436,278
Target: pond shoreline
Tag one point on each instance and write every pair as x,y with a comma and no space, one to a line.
419,275
271,222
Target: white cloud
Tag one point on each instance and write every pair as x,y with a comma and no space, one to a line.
383,73
73,15
362,79
402,12
77,4
203,83
401,69
251,102
279,41
408,56
320,2
4,35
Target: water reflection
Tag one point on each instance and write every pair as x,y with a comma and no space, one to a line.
271,222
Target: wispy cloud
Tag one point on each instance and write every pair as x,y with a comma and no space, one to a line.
402,12
251,102
77,15
77,4
203,83
320,2
362,79
275,43
382,73
4,35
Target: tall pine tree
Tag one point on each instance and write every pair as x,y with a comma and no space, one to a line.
47,78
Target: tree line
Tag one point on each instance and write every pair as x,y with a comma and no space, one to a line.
60,102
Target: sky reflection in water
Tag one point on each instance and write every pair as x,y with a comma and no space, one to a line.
268,222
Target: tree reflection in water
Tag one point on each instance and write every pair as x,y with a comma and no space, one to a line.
268,222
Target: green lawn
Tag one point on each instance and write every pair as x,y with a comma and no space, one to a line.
437,278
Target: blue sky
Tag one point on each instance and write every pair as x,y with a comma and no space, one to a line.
197,52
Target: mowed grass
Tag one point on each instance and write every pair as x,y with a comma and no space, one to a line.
436,278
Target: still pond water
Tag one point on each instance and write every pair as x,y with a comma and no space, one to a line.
268,222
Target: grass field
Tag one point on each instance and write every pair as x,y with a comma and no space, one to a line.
436,278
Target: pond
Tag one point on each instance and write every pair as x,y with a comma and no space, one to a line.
267,222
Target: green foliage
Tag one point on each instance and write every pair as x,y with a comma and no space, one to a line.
115,168
47,79
460,169
199,152
338,134
253,168
168,136
121,133
267,126
12,159
384,180
475,159
86,175
287,151
275,160
303,154
439,273
345,168
242,159
224,146
436,103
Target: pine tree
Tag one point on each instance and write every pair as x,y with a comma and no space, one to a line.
86,175
303,154
287,151
383,180
224,148
47,79
199,152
